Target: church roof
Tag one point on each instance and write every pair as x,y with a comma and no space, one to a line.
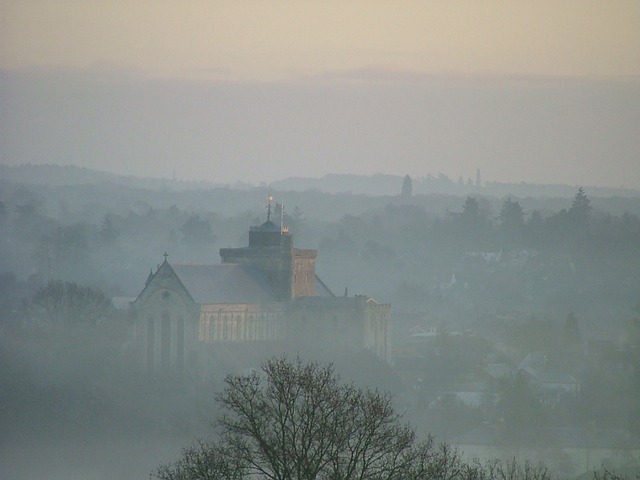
321,289
224,283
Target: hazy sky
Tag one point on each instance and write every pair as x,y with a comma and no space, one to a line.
271,39
501,83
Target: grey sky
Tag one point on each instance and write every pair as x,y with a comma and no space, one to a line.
541,92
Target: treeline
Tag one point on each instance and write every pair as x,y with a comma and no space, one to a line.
395,247
577,258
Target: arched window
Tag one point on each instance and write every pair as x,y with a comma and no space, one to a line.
180,345
150,343
165,341
251,325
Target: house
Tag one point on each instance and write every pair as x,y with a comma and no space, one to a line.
552,385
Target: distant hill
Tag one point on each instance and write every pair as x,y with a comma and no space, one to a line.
376,185
380,185
68,175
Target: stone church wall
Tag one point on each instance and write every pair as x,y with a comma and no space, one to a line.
304,273
341,324
166,331
240,322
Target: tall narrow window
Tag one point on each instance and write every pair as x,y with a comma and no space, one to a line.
376,326
216,328
165,341
150,343
180,345
234,327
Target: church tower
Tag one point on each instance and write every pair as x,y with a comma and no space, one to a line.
290,272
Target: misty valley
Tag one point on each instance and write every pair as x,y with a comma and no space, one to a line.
491,327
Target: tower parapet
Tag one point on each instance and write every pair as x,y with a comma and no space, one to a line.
289,271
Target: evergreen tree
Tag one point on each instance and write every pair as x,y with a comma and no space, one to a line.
511,214
580,207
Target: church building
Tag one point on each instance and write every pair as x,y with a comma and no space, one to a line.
267,291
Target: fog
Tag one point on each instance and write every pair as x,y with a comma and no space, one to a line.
523,128
515,321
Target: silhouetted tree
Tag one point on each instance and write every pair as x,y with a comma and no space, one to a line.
204,461
571,331
519,406
471,209
580,210
511,215
296,420
295,221
607,473
513,470
196,231
580,201
627,232
64,251
109,233
475,217
69,303
511,220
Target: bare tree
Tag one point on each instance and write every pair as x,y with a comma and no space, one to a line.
203,461
298,421
513,470
607,473
70,303
295,420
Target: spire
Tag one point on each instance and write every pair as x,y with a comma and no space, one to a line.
165,256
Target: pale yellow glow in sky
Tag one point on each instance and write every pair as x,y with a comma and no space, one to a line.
289,39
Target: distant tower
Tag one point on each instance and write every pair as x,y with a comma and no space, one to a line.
407,188
478,179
